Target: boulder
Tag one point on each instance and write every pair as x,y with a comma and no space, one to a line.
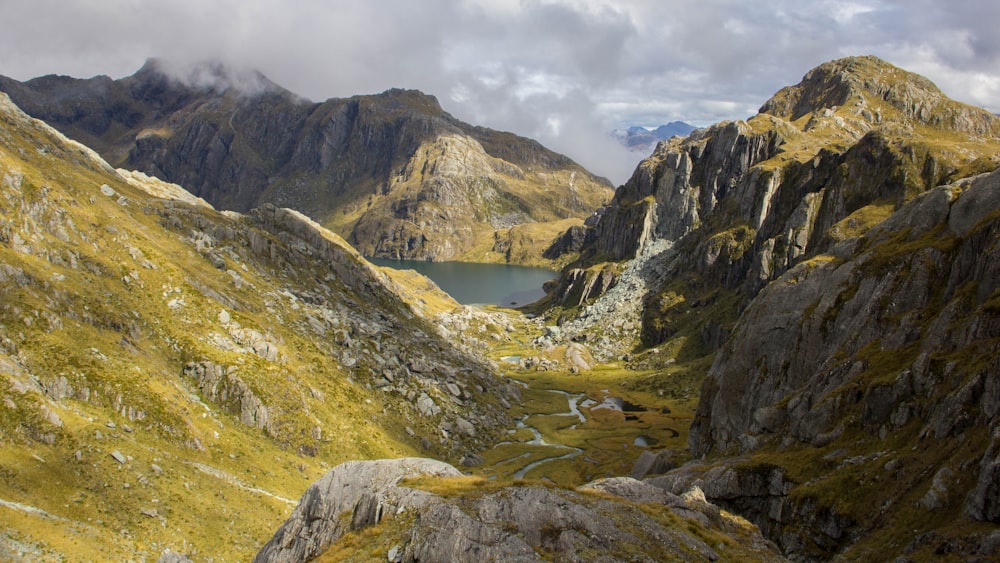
365,489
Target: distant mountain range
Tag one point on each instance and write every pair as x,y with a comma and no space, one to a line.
642,139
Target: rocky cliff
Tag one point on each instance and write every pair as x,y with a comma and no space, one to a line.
872,368
155,352
740,203
392,173
840,299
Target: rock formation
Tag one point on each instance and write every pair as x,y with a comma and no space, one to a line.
890,341
609,520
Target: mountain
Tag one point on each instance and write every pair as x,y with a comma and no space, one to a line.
392,173
171,375
831,265
818,286
640,139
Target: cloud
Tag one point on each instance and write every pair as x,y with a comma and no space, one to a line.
563,71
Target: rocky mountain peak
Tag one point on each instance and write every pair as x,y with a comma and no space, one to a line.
208,77
236,139
879,93
405,98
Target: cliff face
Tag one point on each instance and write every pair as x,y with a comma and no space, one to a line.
364,166
743,202
868,378
870,317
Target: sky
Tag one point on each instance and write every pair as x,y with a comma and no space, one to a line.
563,72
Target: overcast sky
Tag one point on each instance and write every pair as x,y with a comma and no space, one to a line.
564,72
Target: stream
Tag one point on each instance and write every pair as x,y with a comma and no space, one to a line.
538,440
603,436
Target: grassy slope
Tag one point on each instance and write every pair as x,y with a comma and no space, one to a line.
115,294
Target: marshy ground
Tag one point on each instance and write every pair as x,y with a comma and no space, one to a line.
573,428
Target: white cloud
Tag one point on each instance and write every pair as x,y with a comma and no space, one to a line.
522,65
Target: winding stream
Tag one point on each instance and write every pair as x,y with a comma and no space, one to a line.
573,401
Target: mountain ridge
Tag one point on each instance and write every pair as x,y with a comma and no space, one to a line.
642,139
237,140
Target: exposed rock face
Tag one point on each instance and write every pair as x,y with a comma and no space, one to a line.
912,289
392,173
891,340
367,490
517,523
224,386
747,201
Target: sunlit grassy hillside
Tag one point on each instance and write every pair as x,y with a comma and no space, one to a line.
171,376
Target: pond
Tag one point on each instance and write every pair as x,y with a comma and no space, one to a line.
480,284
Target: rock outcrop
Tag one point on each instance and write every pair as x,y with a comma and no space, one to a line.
393,173
743,202
599,521
889,342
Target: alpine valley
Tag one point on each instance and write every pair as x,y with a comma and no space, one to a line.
779,340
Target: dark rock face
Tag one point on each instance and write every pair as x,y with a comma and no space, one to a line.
366,165
894,337
921,301
516,523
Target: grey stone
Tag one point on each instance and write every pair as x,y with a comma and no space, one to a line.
516,523
427,406
316,522
169,556
465,427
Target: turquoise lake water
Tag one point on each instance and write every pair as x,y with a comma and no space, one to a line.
480,284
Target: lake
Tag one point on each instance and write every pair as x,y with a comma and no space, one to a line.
480,284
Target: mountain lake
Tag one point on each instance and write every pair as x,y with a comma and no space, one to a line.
480,284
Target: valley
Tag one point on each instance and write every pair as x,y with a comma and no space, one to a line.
573,428
779,339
